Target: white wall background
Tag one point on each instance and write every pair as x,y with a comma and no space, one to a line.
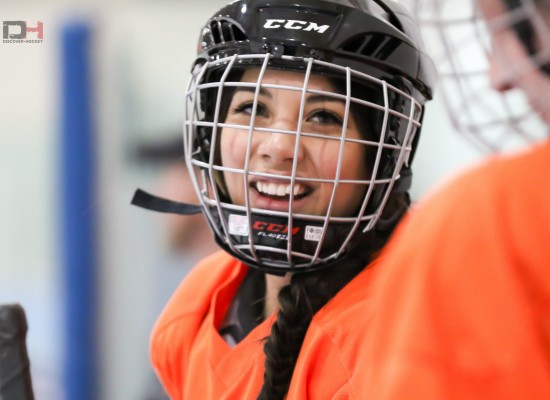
28,253
143,50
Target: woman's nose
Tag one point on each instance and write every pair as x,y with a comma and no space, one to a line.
279,148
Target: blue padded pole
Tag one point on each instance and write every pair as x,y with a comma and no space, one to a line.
78,215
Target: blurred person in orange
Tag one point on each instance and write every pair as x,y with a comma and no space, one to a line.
463,295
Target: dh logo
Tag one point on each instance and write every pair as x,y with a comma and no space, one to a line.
18,30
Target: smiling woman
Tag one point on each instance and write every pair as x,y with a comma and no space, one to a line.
303,143
301,123
273,153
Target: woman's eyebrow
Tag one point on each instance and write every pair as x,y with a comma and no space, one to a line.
314,98
321,98
250,89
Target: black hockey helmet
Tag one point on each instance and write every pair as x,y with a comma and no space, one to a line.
374,49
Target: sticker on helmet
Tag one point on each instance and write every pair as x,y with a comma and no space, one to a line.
238,225
314,233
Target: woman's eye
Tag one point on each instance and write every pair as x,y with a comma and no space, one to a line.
325,117
246,108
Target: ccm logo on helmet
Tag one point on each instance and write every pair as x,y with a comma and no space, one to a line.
295,24
274,228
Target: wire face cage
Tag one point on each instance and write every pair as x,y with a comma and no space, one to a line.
293,159
459,40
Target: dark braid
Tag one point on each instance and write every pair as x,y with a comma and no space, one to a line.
284,342
306,294
298,303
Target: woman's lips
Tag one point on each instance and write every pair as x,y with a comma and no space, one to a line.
276,195
279,189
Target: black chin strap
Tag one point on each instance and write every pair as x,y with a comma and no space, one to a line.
151,202
154,203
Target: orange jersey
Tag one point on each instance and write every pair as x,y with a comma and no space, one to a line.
194,362
463,297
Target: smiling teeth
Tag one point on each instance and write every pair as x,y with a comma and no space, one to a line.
277,189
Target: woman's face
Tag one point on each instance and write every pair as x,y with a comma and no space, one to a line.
511,67
274,153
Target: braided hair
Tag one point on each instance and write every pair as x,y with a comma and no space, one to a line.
300,300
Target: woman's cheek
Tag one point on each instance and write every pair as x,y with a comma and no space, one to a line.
233,153
233,149
327,157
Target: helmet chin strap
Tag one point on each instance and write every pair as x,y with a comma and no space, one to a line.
151,202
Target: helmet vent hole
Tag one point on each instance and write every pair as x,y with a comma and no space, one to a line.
377,46
225,31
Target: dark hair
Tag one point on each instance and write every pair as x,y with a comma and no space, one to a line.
299,301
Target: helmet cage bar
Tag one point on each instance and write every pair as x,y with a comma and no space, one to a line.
527,11
295,254
247,156
213,185
305,217
338,172
388,146
283,178
370,189
499,23
218,211
491,121
336,68
369,104
454,61
189,148
314,91
190,110
473,98
403,158
210,175
295,161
